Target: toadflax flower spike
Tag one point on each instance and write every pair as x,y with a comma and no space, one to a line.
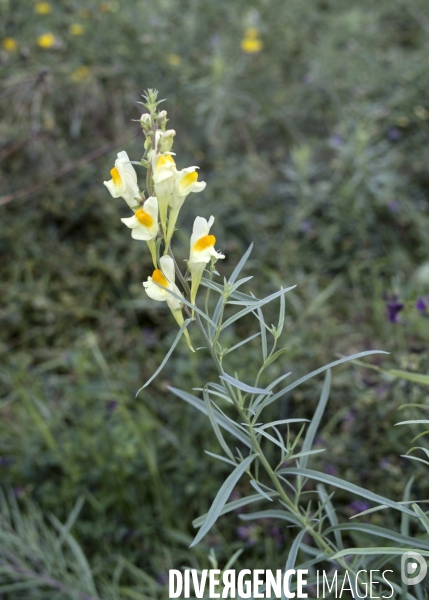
202,252
124,181
165,276
144,224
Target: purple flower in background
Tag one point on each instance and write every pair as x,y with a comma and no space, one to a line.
336,140
394,206
111,406
305,227
247,533
277,534
358,506
422,304
394,134
393,307
214,41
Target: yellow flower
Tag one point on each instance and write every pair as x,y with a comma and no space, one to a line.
165,276
251,42
251,46
43,8
124,181
9,44
421,112
174,59
80,74
202,252
47,40
76,29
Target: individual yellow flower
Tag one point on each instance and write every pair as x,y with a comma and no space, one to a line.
76,29
174,60
165,276
124,181
164,170
202,251
144,224
43,8
185,182
9,44
251,42
47,40
80,74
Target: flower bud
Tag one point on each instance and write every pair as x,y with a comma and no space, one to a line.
162,115
165,142
146,121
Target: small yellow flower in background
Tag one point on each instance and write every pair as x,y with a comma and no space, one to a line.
80,74
174,60
403,121
421,112
43,8
9,44
47,40
76,29
251,42
202,251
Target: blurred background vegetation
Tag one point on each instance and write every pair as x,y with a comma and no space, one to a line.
310,122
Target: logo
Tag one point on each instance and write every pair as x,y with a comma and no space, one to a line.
410,563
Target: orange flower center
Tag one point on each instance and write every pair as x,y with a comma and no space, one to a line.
158,277
115,176
164,160
203,243
144,218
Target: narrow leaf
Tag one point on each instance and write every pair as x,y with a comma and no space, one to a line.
243,386
169,353
255,485
345,485
380,532
221,419
234,505
293,552
251,306
241,264
221,498
315,421
212,416
321,370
